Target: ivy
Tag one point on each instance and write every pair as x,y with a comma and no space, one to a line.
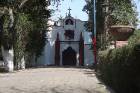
23,27
6,39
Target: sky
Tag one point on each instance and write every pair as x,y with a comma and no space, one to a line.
138,6
77,6
138,9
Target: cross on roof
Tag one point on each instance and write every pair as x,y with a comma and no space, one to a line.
69,10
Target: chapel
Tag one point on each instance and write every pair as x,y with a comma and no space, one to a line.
68,43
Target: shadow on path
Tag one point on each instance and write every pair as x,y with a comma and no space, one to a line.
92,73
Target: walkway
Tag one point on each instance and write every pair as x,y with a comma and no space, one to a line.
51,80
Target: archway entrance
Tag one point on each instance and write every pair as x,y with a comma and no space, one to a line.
69,57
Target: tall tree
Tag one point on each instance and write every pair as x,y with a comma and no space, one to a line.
38,15
26,24
110,12
12,26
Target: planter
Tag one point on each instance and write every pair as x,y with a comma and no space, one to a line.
121,32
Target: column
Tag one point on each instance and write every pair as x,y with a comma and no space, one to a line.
81,51
57,51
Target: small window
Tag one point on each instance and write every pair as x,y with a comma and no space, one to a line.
69,22
69,34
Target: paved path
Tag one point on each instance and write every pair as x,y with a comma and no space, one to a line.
51,80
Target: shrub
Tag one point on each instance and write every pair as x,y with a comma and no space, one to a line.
119,68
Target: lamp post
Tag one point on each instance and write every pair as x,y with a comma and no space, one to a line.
94,32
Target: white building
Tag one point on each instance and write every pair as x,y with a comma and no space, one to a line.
68,44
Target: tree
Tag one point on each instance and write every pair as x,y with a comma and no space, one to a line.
11,28
38,15
19,25
124,12
110,12
24,26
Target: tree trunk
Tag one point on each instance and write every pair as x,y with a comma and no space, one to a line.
8,56
22,63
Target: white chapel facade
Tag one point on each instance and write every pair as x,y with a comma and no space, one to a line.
68,44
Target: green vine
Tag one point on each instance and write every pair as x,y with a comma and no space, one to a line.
6,35
22,29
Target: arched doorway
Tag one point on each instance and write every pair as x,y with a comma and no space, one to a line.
69,57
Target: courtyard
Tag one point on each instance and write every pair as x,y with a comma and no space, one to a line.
52,80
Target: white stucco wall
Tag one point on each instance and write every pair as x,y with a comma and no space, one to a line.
49,51
88,56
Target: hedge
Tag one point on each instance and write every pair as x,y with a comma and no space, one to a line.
120,68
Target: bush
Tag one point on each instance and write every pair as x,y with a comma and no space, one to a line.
119,68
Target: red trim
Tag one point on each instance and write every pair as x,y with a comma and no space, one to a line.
57,50
81,51
94,50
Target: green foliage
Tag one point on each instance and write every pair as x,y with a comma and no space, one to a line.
28,32
124,12
22,28
6,39
6,2
120,11
38,15
119,68
88,8
117,12
135,38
